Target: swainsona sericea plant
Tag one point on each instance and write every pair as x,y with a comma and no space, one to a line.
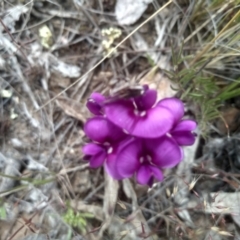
137,135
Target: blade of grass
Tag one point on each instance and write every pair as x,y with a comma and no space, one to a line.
209,45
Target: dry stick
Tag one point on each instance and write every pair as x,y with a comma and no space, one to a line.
10,35
35,25
88,75
25,22
79,6
214,39
107,55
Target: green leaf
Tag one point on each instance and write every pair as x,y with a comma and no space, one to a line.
3,214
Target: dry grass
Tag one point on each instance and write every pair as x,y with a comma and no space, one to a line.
52,56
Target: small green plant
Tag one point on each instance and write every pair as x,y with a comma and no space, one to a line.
230,91
3,213
77,219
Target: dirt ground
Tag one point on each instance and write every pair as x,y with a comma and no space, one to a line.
53,55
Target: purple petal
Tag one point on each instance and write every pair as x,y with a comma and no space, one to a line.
98,159
147,100
94,103
146,174
175,106
92,149
111,167
97,153
121,113
111,163
184,138
97,97
157,173
128,159
165,152
101,130
94,107
185,125
182,132
149,124
157,122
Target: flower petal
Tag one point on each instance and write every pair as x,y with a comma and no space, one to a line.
185,125
101,130
111,163
144,175
98,159
157,122
154,123
157,173
121,113
94,103
91,149
165,152
174,105
94,107
128,159
184,138
147,173
182,132
97,153
111,168
147,100
97,97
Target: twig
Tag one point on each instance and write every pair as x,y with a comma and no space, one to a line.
10,35
25,85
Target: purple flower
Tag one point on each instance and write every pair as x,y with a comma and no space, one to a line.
182,129
96,154
146,158
107,139
100,130
138,117
146,174
95,102
137,136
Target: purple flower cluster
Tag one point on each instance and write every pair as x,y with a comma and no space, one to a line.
137,135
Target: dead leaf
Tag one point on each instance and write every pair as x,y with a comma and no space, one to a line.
136,219
128,11
156,80
229,121
71,108
67,70
110,196
110,200
11,16
122,205
57,80
81,182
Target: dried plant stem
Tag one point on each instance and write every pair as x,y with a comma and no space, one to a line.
108,55
13,40
222,9
214,39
